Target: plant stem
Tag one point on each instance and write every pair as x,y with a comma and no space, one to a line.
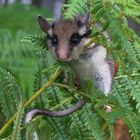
61,104
88,45
71,89
104,126
45,86
126,76
38,93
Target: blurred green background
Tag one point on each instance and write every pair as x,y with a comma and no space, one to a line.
16,21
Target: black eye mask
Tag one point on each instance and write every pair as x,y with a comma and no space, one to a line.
76,38
53,39
86,34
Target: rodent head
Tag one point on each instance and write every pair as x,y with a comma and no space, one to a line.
66,38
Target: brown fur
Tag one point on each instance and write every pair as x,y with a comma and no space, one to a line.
121,131
64,30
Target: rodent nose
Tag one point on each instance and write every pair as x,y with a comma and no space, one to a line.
63,54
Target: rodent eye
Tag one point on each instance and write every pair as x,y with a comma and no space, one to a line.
54,40
75,39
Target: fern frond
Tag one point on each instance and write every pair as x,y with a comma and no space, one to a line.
130,86
78,127
74,8
16,133
94,121
115,25
121,92
128,8
10,94
88,123
30,131
117,113
133,123
59,130
135,92
37,41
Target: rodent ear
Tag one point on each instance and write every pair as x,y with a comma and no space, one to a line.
44,24
82,20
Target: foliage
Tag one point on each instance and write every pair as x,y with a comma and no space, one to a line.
74,8
19,58
16,133
92,121
25,15
9,86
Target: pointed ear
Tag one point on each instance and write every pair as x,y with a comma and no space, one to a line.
82,20
44,24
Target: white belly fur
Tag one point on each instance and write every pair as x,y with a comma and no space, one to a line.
97,68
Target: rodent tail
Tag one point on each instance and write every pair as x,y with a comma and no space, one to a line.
29,116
